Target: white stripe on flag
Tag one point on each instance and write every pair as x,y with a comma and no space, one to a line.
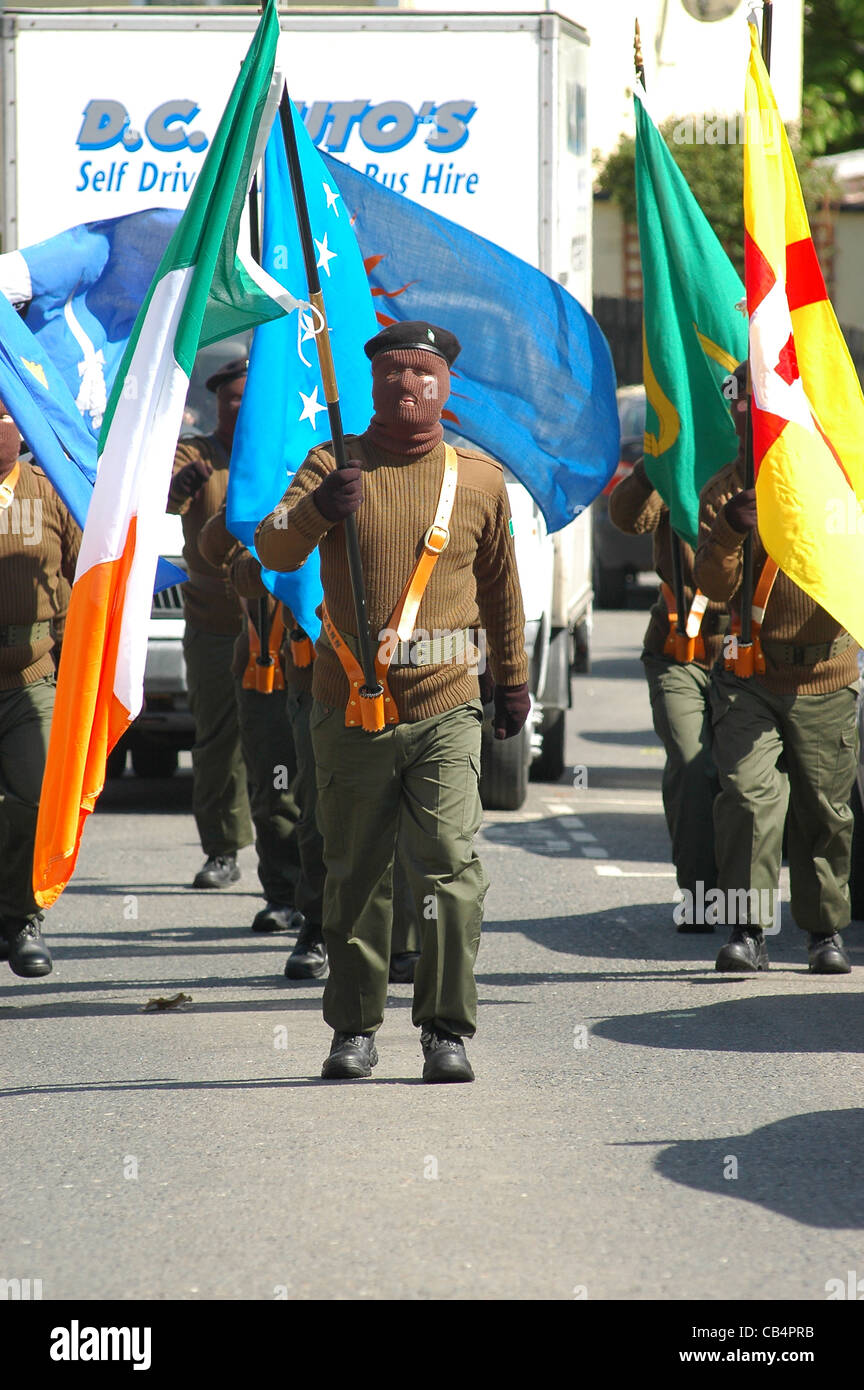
135,472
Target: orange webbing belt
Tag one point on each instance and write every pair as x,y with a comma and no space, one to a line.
684,646
7,489
404,615
266,676
750,660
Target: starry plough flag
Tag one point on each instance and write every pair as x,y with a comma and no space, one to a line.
284,414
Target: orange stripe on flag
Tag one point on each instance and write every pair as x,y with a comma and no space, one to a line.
88,720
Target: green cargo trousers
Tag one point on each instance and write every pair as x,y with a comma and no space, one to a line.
25,725
267,741
681,712
777,750
220,802
309,898
310,889
418,783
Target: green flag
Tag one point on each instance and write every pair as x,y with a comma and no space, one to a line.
693,336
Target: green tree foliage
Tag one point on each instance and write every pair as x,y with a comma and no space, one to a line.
833,92
711,158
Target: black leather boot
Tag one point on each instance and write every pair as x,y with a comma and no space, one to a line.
217,872
352,1057
745,951
445,1058
827,955
278,917
28,954
308,960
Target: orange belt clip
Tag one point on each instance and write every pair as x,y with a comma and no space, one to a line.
688,645
372,712
302,650
749,660
264,676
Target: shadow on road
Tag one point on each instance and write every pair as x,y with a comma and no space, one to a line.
627,667
546,837
171,1084
804,1167
820,1020
638,738
130,795
644,932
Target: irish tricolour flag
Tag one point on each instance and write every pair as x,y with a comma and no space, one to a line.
201,293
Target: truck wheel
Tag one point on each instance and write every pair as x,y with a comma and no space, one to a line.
550,765
610,587
856,874
504,770
154,760
582,648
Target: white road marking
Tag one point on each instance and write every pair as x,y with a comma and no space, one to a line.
625,801
612,871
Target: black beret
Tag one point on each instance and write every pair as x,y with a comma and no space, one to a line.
415,335
239,367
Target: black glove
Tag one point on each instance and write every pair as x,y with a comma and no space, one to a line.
340,494
740,510
512,707
191,478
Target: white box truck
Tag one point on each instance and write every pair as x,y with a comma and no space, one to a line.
481,117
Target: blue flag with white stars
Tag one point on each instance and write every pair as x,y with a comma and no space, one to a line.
283,414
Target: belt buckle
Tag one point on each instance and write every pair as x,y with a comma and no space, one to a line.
437,538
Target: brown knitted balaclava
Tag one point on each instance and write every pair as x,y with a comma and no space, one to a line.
409,390
10,441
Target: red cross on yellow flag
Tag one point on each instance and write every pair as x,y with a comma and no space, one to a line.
808,408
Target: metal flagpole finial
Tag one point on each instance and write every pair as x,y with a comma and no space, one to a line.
638,62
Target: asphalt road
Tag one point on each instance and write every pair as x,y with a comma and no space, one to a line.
640,1127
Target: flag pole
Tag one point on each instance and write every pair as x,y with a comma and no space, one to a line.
682,642
264,659
749,464
372,691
